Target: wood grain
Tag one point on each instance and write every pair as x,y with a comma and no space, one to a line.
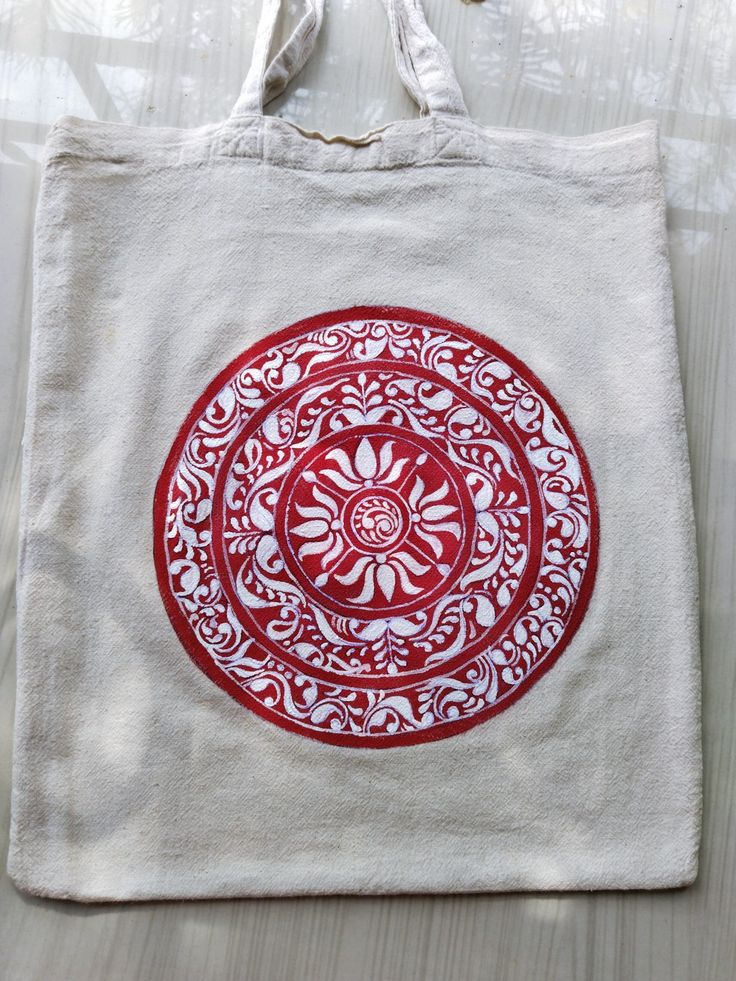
568,67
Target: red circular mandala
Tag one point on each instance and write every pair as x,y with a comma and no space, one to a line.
375,527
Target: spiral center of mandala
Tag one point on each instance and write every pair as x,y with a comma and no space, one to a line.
374,521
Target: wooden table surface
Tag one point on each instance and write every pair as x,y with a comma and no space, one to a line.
565,66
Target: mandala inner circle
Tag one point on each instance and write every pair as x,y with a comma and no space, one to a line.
375,520
375,527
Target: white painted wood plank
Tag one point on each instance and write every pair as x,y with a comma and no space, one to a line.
568,67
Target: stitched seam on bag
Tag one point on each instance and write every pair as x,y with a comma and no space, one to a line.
142,169
444,143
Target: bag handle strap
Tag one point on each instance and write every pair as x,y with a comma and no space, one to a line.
265,81
423,64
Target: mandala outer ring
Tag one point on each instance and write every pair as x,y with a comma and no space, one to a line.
183,628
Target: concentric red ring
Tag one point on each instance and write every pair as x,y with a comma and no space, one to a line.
355,710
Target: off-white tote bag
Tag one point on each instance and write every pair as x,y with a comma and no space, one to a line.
357,549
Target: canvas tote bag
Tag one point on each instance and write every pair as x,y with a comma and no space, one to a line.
357,548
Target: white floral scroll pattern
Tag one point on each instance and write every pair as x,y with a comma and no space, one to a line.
458,533
376,530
